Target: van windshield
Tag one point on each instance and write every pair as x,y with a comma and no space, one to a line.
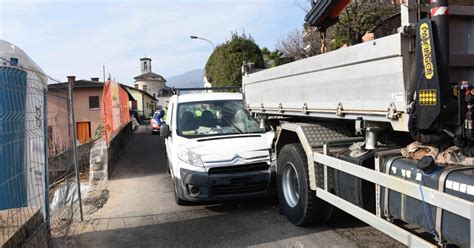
210,118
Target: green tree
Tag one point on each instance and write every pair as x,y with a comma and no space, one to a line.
271,58
224,65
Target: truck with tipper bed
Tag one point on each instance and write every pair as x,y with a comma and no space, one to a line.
382,130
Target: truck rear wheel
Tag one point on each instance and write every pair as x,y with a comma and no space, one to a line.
300,204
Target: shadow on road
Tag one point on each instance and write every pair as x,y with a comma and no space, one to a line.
233,227
341,219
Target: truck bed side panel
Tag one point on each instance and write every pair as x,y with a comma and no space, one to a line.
364,79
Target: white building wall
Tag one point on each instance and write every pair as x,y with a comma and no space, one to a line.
206,83
152,87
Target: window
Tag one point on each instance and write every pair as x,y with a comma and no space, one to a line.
144,87
154,95
212,118
13,61
93,102
136,86
145,66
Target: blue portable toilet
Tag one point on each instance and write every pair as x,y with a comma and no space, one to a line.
21,94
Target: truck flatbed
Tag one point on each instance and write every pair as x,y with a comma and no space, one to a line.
368,80
373,80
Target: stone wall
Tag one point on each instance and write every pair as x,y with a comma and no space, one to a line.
117,146
23,227
103,159
63,163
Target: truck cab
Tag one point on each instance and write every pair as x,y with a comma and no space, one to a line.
216,150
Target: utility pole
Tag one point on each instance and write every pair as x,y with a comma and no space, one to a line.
74,145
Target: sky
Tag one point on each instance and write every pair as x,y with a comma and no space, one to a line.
78,37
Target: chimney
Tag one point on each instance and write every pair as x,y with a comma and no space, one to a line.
71,79
95,79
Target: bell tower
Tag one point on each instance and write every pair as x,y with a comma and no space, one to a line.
145,65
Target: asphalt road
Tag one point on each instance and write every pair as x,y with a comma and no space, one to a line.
141,212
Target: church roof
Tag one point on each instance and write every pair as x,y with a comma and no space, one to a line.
150,76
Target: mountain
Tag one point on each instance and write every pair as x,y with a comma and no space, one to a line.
190,79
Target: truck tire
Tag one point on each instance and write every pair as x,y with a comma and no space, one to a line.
300,204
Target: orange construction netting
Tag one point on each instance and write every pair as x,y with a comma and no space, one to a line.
115,109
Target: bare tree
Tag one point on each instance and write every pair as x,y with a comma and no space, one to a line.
358,18
292,45
303,43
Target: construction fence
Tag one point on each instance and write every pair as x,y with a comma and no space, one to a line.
41,163
115,109
37,203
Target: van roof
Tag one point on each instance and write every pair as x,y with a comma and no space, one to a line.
198,97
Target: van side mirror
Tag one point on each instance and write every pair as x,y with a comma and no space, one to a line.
164,130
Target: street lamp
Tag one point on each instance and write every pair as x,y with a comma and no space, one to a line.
193,37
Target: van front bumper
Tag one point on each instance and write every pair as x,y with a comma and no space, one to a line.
204,186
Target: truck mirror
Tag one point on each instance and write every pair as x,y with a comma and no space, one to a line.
164,130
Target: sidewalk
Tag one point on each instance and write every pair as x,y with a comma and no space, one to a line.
140,191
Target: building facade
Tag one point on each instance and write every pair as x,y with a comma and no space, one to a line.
152,83
87,95
87,99
144,103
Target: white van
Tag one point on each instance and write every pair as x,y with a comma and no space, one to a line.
216,150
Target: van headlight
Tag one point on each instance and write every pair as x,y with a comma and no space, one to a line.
188,156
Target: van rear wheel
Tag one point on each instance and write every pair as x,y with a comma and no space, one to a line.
300,204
